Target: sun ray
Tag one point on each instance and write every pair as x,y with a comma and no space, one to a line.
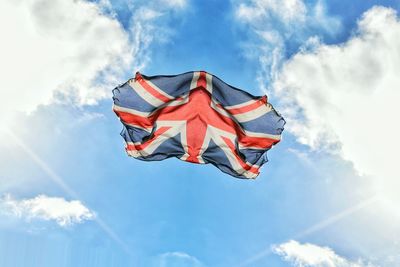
316,227
56,178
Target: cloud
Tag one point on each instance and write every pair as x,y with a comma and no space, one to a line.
178,259
289,18
59,45
175,3
344,98
75,47
272,25
63,212
288,10
310,255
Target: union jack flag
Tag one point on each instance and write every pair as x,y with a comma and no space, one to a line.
198,118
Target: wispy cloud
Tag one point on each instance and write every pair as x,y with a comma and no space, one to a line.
63,212
175,3
178,258
310,255
288,11
271,25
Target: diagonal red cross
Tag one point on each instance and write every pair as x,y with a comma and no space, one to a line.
199,115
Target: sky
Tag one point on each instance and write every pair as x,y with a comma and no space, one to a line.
329,195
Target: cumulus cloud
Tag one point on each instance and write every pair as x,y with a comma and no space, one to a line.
344,97
178,259
310,255
273,24
63,212
76,47
58,45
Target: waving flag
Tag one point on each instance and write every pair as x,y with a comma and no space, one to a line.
198,118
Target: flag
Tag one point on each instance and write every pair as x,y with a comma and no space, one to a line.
198,118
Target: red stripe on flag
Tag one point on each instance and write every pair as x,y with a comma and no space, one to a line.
258,103
150,89
257,142
244,165
129,118
142,146
202,81
196,131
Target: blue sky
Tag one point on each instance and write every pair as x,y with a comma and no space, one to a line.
327,197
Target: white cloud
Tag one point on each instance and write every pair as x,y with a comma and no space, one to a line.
174,3
288,10
146,13
178,259
58,45
57,209
344,97
274,23
77,47
285,16
310,255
